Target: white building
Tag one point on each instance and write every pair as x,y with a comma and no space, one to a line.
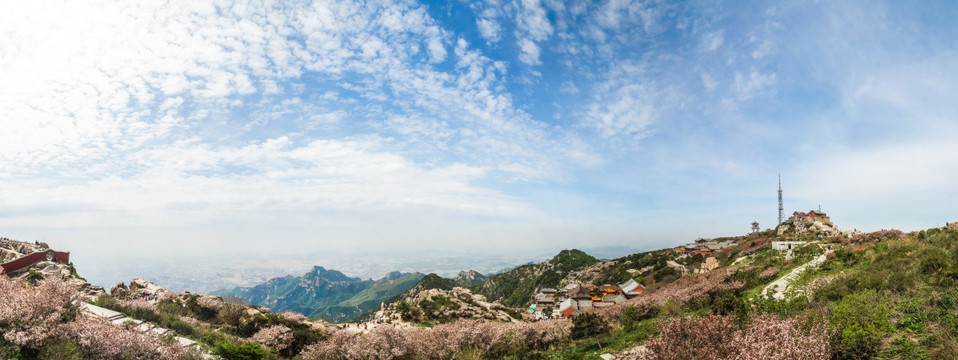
787,245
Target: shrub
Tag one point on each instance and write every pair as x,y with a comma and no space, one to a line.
231,314
859,322
588,325
630,319
933,260
241,350
60,348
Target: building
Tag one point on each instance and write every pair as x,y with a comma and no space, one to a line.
631,288
579,293
786,245
811,215
543,300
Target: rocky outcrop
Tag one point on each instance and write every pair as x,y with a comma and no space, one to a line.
138,289
439,305
812,228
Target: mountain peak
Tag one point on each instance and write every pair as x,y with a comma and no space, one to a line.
574,256
321,273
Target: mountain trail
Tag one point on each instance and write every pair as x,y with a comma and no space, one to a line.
778,287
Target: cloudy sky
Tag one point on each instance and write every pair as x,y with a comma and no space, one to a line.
149,127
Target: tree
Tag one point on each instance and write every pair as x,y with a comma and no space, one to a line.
588,325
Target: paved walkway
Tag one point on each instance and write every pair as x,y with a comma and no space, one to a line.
778,287
120,319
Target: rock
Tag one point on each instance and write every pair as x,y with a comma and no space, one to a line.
140,287
710,264
119,290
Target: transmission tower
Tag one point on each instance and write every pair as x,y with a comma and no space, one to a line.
781,209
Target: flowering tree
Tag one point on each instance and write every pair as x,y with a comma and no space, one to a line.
489,339
295,317
718,337
278,337
138,304
683,290
28,314
100,339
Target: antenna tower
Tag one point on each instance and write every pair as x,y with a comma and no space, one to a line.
781,209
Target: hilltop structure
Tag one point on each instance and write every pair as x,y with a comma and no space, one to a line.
811,215
19,255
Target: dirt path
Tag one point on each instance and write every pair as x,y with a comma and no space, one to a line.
778,287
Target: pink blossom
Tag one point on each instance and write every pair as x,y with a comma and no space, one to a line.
137,304
31,313
101,339
440,342
682,290
278,337
718,337
295,317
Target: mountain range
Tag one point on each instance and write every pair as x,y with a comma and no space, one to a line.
326,294
333,296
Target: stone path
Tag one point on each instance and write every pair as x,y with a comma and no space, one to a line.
120,319
778,287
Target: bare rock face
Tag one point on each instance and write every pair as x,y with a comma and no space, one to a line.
710,264
119,290
140,288
90,292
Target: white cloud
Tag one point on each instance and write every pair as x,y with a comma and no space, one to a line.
437,52
708,82
711,41
623,112
532,26
752,85
489,29
529,52
533,20
569,88
195,183
161,109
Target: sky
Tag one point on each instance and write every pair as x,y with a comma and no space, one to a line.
272,129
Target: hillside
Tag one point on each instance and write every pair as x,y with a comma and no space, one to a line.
465,279
516,287
880,295
326,294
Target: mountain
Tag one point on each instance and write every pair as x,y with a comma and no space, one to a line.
326,294
470,279
465,279
517,286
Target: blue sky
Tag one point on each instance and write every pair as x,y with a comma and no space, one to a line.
486,126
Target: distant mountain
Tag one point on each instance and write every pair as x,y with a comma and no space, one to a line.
465,279
326,294
470,279
517,286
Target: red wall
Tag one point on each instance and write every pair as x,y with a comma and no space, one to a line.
30,259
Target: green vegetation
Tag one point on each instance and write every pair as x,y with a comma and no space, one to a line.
882,295
326,294
516,287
